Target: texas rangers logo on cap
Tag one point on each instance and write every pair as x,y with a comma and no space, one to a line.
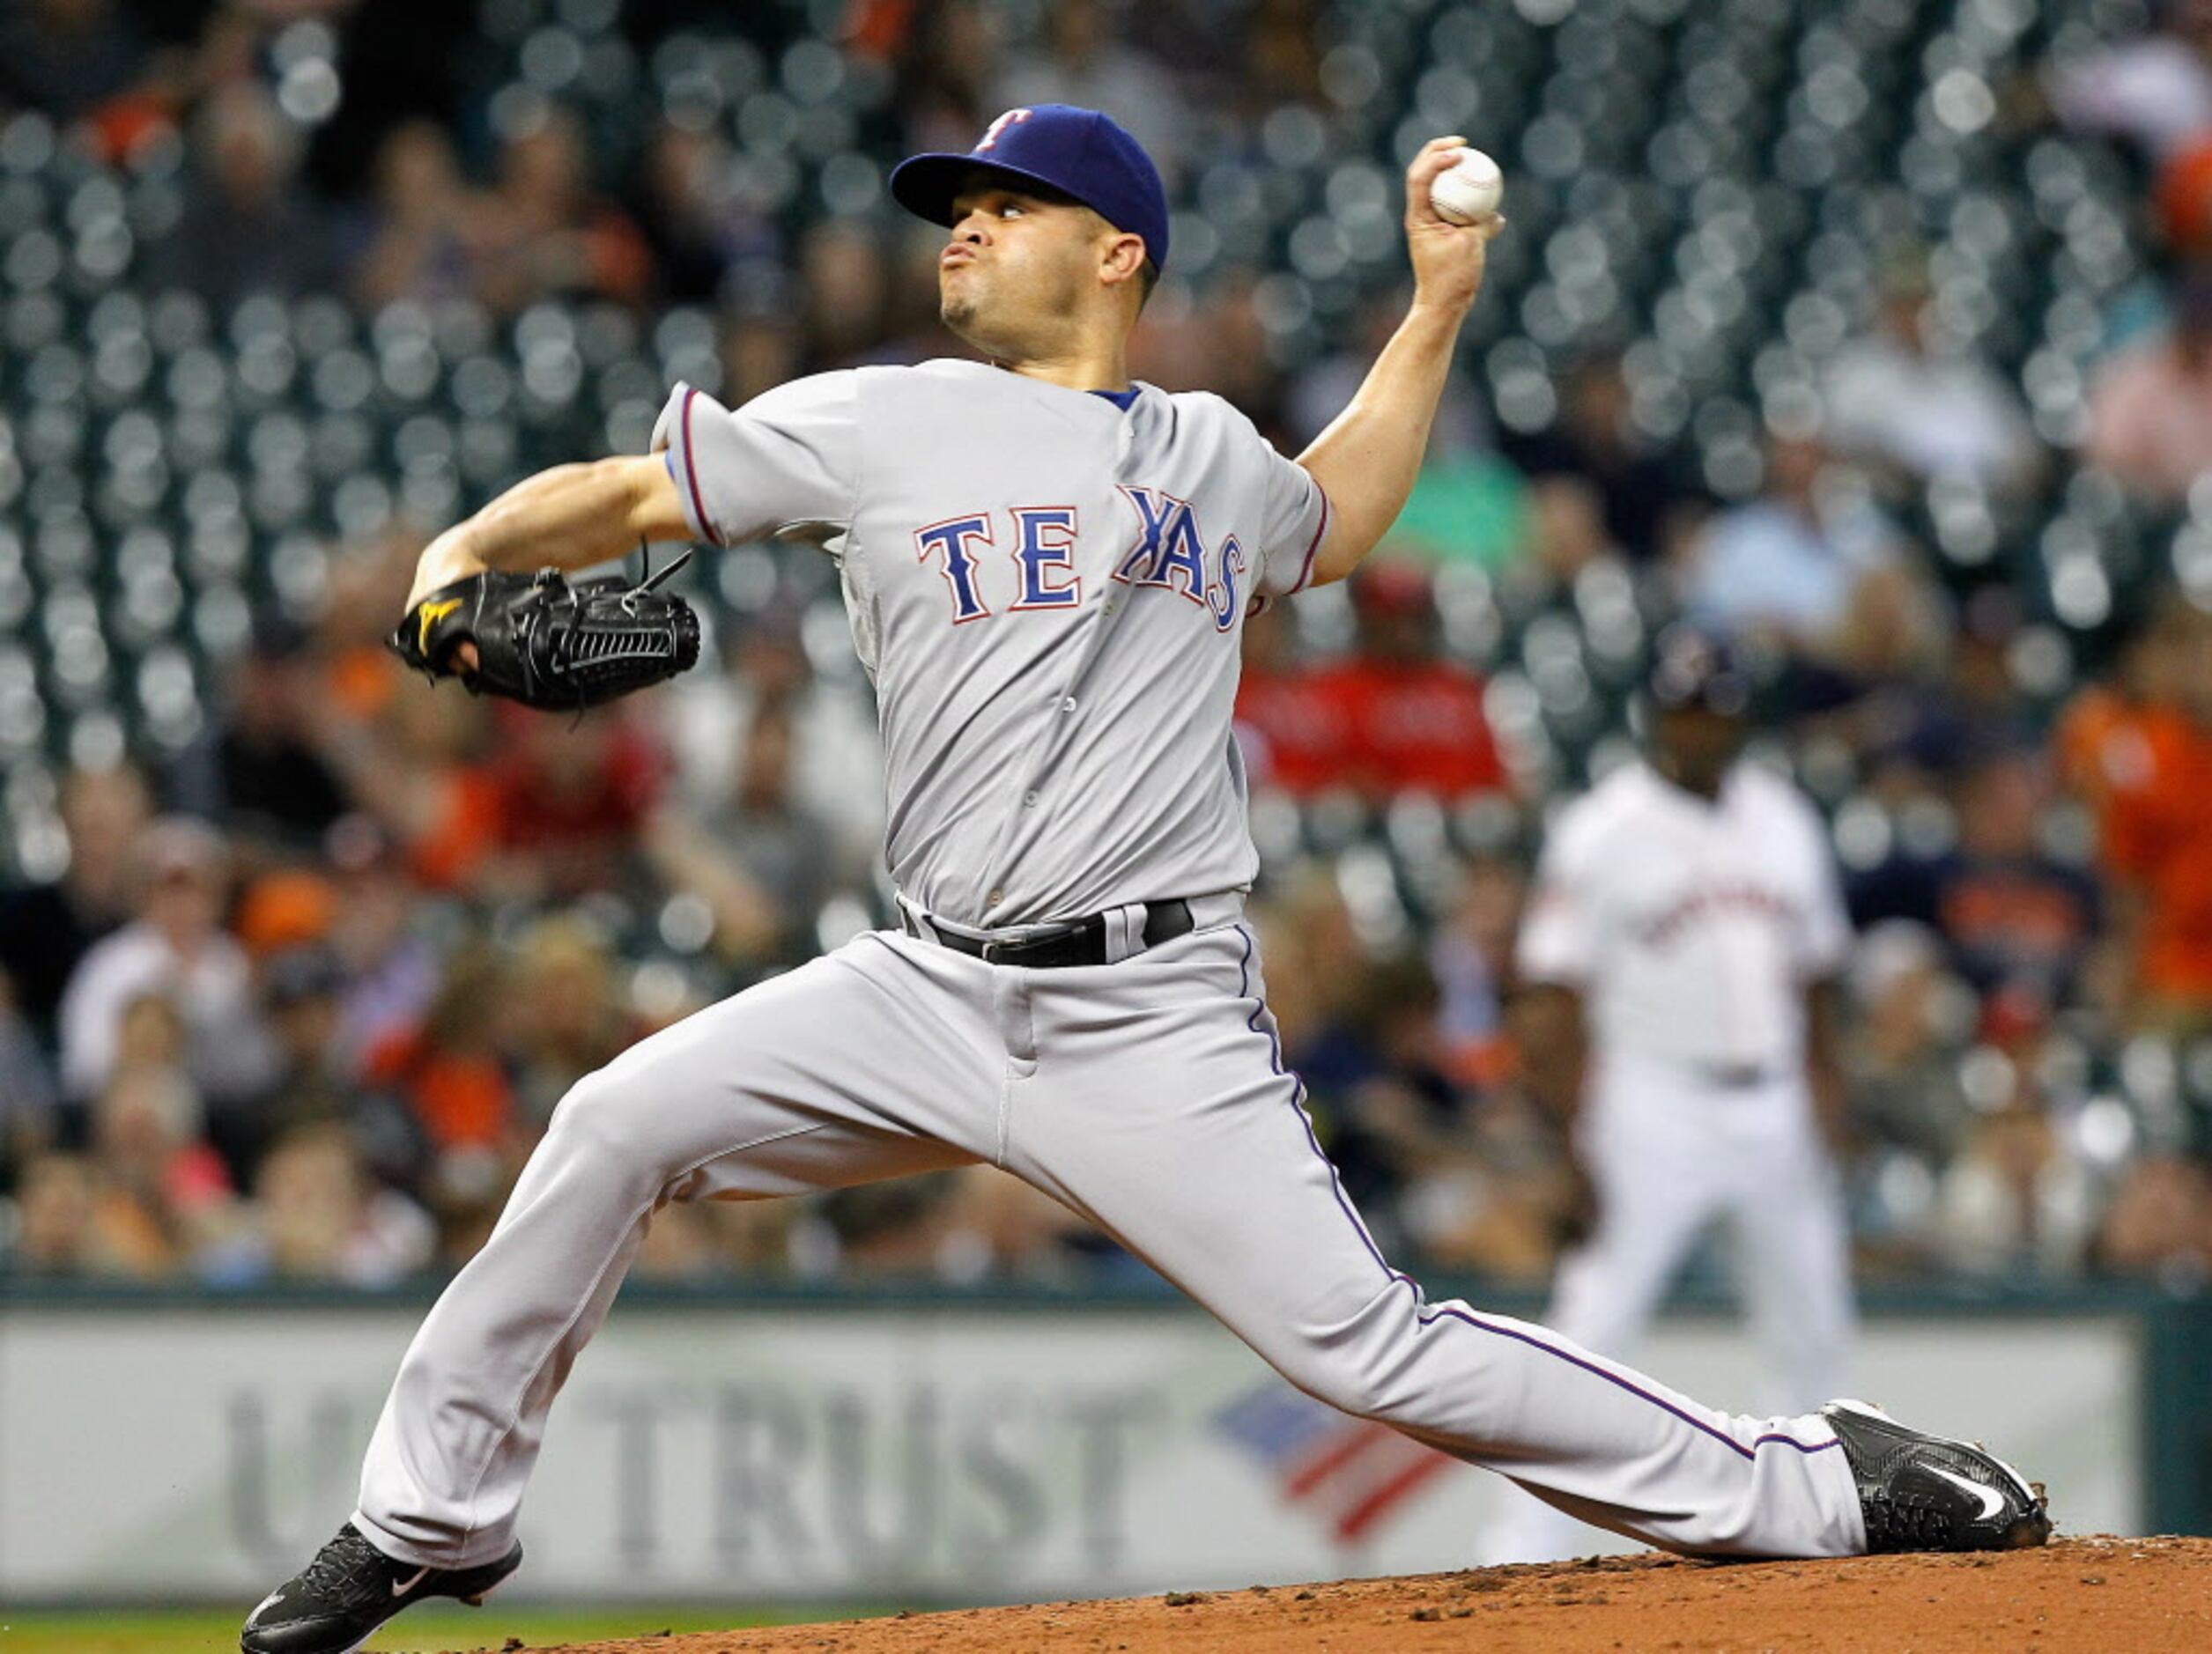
991,132
1078,152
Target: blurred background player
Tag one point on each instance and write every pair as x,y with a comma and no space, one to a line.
1680,954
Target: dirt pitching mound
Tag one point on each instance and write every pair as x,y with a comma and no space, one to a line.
2142,1595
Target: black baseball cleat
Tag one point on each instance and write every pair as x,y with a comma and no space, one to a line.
334,1603
1928,1492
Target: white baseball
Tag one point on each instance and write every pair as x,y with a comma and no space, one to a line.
1470,191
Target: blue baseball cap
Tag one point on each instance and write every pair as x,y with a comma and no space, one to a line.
1693,668
1078,152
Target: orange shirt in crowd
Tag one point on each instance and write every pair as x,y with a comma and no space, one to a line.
465,832
360,681
463,1097
2157,839
2101,743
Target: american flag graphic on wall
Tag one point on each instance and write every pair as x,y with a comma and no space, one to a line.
1348,1474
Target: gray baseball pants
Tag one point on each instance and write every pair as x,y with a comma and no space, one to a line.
1148,1096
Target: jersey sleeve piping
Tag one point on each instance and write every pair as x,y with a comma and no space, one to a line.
1313,546
691,474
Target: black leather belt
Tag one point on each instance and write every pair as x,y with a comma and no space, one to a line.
1083,943
1736,1076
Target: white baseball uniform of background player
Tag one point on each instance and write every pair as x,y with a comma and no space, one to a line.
1047,587
1692,939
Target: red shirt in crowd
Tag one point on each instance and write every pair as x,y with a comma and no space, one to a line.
1291,729
573,799
1380,728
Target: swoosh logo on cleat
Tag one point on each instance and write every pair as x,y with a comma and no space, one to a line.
1992,1501
431,614
400,1587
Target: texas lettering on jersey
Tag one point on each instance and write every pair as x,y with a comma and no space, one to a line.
1169,552
1044,587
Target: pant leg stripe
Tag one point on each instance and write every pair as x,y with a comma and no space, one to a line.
1297,1103
1426,1315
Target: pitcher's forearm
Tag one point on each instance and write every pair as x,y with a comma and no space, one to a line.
568,518
1367,459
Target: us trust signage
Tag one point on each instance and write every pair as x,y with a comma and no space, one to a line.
878,1456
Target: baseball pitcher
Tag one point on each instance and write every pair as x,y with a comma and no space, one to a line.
1046,568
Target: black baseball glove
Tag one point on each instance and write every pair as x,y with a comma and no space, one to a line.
547,644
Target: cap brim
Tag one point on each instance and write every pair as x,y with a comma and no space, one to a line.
925,185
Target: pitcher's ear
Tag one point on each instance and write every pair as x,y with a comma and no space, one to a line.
1126,260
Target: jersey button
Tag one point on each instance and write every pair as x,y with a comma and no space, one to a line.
1068,704
1029,800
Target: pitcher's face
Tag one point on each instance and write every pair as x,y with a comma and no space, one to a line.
1020,270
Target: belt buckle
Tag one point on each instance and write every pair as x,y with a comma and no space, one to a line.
1013,952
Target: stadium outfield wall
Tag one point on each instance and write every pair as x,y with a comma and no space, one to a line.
877,1449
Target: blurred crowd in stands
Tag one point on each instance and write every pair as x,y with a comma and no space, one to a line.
291,1002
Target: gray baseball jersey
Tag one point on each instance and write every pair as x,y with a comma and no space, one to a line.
1048,592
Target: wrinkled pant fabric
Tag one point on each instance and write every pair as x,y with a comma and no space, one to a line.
1151,1097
